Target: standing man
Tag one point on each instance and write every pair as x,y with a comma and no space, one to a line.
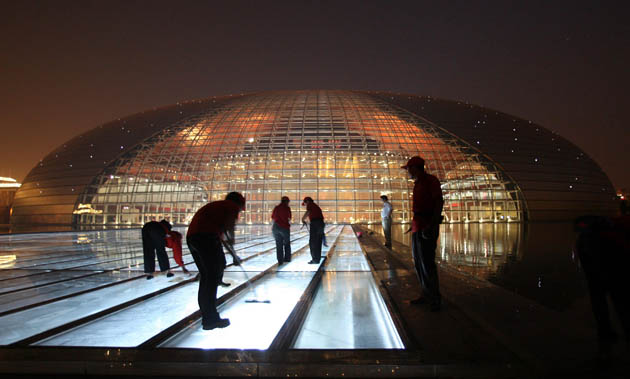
425,226
154,242
314,214
281,230
386,220
212,224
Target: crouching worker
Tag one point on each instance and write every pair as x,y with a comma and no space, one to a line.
209,226
174,241
154,242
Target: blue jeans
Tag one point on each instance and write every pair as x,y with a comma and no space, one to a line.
283,243
423,251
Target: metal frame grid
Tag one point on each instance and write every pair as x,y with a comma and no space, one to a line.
344,149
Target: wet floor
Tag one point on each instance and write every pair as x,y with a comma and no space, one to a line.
534,260
88,289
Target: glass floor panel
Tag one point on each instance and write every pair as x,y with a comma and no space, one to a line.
348,311
252,325
99,262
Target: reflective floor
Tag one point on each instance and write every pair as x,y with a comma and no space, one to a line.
534,260
88,289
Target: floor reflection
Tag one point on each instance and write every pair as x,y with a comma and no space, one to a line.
534,260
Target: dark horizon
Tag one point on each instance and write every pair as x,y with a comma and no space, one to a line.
69,67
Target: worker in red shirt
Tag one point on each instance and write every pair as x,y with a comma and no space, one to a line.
314,214
425,227
281,230
174,241
212,225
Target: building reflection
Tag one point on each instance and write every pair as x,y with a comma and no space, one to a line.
478,249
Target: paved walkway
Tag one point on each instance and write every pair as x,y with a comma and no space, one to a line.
483,324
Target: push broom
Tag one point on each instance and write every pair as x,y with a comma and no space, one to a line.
250,287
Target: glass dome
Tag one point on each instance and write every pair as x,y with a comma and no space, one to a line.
343,149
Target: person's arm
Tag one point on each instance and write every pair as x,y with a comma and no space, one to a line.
390,209
436,214
306,214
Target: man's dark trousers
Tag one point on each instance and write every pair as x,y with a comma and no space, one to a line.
208,254
315,238
283,243
424,261
153,242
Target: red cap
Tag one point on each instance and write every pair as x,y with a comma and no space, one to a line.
414,161
307,198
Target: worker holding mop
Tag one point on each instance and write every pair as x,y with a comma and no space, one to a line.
212,224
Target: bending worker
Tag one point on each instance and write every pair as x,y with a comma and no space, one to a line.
211,224
425,225
154,242
281,230
314,214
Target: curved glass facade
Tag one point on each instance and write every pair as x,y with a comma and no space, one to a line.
343,148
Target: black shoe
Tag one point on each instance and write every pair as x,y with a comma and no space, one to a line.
435,307
419,301
287,260
169,274
224,284
313,262
220,323
149,277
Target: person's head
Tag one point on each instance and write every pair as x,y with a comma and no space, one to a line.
285,200
237,198
414,166
166,224
384,198
307,200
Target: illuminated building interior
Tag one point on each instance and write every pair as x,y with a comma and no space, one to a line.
343,149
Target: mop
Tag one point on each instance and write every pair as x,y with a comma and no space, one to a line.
250,287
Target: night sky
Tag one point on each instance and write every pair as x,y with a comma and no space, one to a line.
69,66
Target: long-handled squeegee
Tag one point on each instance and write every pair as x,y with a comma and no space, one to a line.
250,287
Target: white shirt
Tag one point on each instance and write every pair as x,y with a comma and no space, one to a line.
386,212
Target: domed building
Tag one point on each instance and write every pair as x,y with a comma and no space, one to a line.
343,148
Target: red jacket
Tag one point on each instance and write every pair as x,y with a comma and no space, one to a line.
174,241
214,218
281,215
427,192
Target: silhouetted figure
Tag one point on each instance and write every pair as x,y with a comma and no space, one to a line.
314,214
425,227
211,224
281,230
603,246
154,242
386,220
